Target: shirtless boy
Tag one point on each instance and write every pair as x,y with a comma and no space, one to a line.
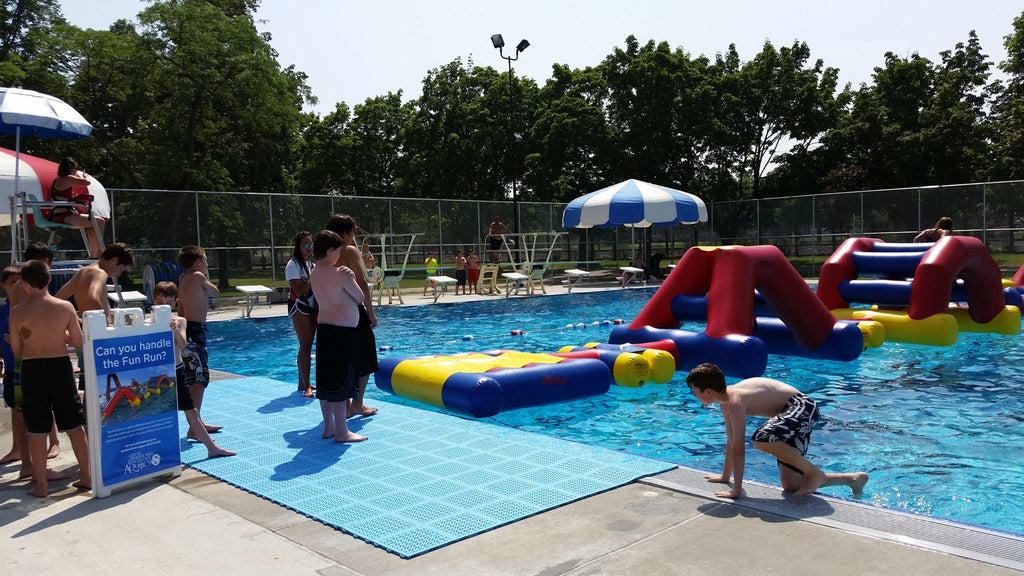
15,295
42,327
166,294
194,290
460,272
786,435
473,264
366,343
89,284
338,296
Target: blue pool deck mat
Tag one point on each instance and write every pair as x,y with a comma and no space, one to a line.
422,481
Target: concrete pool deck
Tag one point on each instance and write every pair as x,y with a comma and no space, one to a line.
667,524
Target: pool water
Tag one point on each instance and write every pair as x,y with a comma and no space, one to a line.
940,430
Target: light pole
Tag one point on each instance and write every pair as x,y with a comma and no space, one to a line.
514,139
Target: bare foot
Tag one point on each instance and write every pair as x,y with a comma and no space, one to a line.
811,483
37,492
11,456
83,484
859,480
211,428
364,411
217,452
307,393
327,434
351,437
54,451
50,475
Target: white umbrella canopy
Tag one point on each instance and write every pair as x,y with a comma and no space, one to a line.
31,113
634,203
36,177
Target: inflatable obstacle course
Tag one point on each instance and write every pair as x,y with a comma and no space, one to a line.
923,293
734,289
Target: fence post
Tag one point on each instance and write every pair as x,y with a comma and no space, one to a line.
199,234
984,214
273,260
757,209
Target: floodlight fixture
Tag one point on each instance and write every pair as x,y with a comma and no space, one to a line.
523,45
497,40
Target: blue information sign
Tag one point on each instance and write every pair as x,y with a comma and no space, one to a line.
135,395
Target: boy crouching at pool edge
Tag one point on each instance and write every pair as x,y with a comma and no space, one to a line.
42,327
337,335
166,294
786,435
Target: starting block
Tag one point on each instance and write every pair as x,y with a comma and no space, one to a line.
636,274
576,276
127,296
252,297
443,281
513,280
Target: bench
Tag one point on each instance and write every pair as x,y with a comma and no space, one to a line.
252,297
443,281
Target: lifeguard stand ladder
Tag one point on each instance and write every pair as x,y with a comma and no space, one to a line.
382,278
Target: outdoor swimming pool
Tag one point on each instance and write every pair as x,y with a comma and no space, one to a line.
940,430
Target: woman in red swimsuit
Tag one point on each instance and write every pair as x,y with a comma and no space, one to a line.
62,191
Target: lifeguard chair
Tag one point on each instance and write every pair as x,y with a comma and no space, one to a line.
26,205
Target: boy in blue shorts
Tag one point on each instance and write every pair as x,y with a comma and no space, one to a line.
195,290
166,294
791,418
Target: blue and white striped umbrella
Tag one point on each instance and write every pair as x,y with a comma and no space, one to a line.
31,113
636,204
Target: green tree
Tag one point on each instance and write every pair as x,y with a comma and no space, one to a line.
954,125
661,112
378,130
458,136
1007,150
570,137
772,99
1007,154
324,157
879,144
25,29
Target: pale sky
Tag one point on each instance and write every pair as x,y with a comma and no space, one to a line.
355,50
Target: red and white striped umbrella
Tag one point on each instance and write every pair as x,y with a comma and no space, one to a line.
36,175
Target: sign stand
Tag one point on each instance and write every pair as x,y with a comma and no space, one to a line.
130,398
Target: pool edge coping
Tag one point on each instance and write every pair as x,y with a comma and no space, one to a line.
931,533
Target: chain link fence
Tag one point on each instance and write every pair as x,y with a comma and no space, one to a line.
249,236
